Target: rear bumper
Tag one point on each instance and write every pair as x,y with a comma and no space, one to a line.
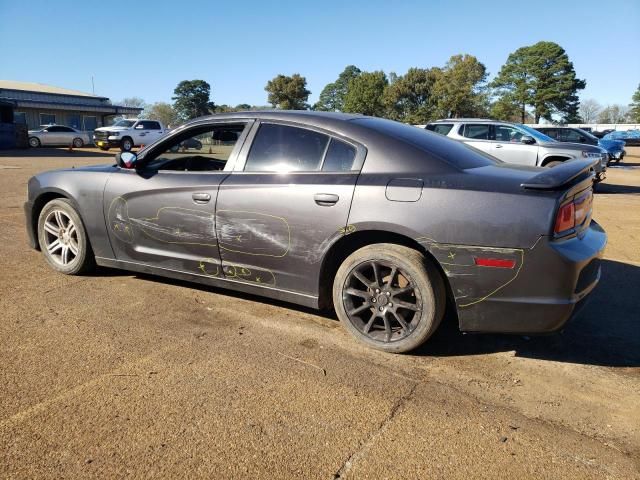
553,284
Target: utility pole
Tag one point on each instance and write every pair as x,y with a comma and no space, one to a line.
93,87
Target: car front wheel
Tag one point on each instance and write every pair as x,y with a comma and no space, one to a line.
126,144
390,297
34,142
63,239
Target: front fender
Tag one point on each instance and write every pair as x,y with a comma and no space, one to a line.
85,189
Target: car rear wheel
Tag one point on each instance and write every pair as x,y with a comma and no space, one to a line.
63,239
390,297
34,142
78,143
126,144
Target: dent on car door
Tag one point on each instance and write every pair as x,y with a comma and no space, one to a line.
163,213
287,201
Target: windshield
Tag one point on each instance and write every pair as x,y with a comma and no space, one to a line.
535,133
124,123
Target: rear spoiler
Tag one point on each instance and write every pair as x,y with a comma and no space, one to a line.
570,171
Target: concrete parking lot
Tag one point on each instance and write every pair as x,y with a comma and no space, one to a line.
125,375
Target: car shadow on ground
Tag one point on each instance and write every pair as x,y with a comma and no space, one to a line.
605,333
612,188
46,152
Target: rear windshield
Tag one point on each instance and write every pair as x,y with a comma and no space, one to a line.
451,151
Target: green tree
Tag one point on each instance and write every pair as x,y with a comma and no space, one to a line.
634,107
191,99
243,106
461,88
542,77
410,97
163,112
332,95
288,93
365,94
505,110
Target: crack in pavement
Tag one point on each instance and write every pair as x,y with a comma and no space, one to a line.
364,446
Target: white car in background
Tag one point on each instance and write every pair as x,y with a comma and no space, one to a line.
57,135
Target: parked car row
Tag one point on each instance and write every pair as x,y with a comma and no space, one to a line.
389,224
519,144
124,134
615,148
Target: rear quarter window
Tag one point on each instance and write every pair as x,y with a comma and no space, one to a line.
451,151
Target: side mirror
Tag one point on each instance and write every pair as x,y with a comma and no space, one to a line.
126,159
527,139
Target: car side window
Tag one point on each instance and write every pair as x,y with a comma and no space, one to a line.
441,128
476,131
201,149
148,125
281,148
339,157
504,133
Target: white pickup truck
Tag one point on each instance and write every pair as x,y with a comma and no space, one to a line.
127,134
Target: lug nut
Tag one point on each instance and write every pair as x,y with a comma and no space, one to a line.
391,304
381,309
373,300
377,290
388,293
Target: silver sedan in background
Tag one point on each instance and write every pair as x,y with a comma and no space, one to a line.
57,135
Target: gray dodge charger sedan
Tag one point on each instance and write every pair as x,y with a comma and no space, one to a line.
388,223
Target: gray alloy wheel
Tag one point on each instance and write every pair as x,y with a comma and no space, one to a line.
34,142
78,143
62,238
126,144
389,297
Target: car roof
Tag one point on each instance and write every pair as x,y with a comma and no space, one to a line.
467,120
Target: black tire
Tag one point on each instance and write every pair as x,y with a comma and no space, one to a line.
83,260
78,143
359,305
34,142
126,144
104,148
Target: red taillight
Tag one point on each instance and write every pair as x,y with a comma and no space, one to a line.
494,262
566,218
574,213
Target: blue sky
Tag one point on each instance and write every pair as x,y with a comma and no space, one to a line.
142,48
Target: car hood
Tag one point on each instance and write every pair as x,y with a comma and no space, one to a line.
111,129
611,144
570,146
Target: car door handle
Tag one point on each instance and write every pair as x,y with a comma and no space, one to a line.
498,146
201,197
326,199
